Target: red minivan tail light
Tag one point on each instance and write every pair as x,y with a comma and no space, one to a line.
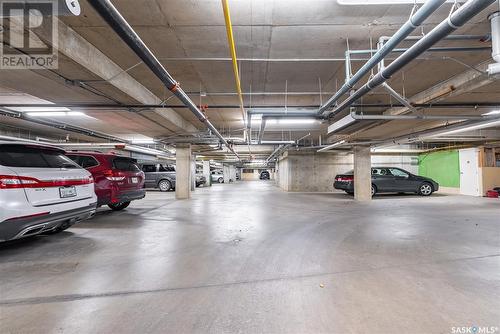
345,178
21,182
113,175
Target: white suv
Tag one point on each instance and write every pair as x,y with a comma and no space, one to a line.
41,190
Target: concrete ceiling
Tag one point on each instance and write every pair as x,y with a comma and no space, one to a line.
263,29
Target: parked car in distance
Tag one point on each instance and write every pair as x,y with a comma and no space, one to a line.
118,180
159,176
264,175
217,176
200,180
388,180
41,191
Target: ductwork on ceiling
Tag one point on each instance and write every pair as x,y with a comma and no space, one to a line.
415,20
494,69
118,23
450,24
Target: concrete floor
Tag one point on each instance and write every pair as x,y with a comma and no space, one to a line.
248,258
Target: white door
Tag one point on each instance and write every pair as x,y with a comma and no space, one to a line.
469,172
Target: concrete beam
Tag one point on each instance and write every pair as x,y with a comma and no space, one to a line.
78,49
183,169
362,173
459,84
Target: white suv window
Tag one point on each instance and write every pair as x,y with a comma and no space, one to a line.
17,155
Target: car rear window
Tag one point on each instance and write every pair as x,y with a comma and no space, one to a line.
126,165
34,157
84,161
166,168
149,168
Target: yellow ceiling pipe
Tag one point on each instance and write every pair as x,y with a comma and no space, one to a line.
232,48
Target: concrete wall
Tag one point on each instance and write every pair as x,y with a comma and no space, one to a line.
404,161
315,172
255,175
490,177
311,172
250,176
283,173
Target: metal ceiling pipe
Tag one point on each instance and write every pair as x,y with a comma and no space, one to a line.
482,38
413,22
436,49
443,130
262,129
450,24
398,97
232,49
416,117
118,23
495,43
61,126
144,107
278,151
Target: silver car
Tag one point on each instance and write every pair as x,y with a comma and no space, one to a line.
159,176
41,191
217,177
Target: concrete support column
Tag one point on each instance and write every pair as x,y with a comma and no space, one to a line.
362,173
232,173
183,168
206,173
227,173
193,173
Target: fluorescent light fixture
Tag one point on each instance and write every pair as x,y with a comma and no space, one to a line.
263,111
494,112
384,2
341,124
291,121
40,109
55,114
329,147
467,128
143,141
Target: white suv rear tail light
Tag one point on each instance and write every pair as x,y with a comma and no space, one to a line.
18,182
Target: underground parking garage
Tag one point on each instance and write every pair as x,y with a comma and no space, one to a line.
227,166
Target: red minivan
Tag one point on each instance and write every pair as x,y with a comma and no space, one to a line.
118,180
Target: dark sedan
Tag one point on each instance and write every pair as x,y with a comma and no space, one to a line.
390,180
264,175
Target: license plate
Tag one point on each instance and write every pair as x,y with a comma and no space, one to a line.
134,180
66,192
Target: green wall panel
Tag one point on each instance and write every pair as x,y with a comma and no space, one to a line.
442,166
